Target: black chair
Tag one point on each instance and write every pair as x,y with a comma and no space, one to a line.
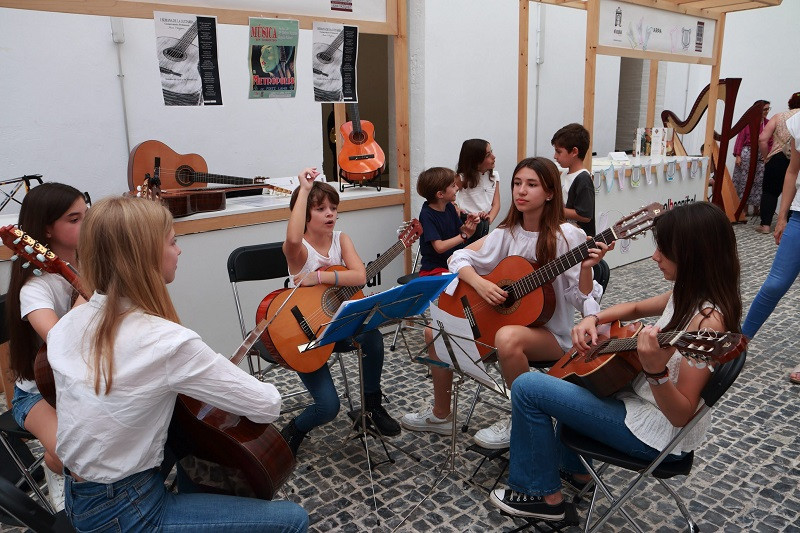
20,510
259,262
589,449
23,470
602,274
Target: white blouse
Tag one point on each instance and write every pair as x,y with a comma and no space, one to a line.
502,243
107,437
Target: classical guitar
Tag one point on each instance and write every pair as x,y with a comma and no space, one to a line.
309,308
613,362
361,159
327,69
40,259
531,299
176,171
177,61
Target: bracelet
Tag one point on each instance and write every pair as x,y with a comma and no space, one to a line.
657,375
596,319
319,278
335,278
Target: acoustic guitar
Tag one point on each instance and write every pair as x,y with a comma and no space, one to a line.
613,362
41,259
531,299
175,171
327,69
256,451
361,159
307,309
178,60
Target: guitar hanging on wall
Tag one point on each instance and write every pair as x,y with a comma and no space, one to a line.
361,159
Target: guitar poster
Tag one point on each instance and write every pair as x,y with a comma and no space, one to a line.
334,54
187,59
273,49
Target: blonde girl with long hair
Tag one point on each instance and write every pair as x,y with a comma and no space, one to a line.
119,363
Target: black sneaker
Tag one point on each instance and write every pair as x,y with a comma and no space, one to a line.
574,484
387,425
520,504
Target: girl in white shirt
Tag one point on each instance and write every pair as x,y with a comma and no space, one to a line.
535,229
696,249
52,214
478,193
119,363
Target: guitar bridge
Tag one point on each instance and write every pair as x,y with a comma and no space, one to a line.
301,321
470,316
362,156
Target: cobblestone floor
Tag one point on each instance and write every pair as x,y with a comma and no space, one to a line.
746,477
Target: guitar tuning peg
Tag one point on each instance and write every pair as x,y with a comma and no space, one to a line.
14,257
37,272
29,248
690,362
17,240
711,368
138,187
701,364
40,258
26,264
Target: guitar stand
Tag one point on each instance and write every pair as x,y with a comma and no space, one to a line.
361,183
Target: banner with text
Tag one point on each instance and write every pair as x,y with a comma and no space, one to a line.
273,52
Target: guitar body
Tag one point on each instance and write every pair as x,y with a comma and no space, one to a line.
255,452
178,63
533,309
284,335
142,161
327,76
43,374
185,203
602,374
361,159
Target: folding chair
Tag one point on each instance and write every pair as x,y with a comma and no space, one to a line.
17,509
260,262
588,449
402,280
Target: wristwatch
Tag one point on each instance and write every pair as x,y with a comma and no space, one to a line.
657,379
464,236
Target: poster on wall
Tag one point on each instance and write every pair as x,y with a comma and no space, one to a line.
334,54
637,27
273,50
188,62
342,5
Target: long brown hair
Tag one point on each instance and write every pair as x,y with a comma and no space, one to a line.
552,213
473,152
122,240
42,206
699,239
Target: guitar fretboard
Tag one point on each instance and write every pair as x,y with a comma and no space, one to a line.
345,293
220,178
629,344
549,271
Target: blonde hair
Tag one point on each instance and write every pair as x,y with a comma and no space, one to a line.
122,240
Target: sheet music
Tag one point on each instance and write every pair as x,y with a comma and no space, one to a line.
463,344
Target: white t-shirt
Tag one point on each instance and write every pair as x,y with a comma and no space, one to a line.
48,291
315,260
793,125
105,438
501,243
479,198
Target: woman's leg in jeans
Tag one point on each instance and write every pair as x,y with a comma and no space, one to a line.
785,268
536,451
326,401
207,512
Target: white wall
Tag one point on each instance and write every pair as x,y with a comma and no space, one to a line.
62,109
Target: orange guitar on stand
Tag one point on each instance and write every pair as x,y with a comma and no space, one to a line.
308,309
531,299
361,159
613,362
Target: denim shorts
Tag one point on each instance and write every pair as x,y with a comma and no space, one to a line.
22,404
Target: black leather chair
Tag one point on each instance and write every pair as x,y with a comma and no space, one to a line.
260,262
589,449
17,509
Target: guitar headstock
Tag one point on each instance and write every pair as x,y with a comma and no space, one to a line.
260,179
638,222
710,347
34,254
409,232
150,189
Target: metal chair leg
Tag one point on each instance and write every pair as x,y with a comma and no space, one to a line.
691,524
393,346
26,473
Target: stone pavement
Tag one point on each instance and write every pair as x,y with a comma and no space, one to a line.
746,477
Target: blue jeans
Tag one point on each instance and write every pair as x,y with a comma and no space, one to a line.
141,502
22,403
320,383
536,449
785,268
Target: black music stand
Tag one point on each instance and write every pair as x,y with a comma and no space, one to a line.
355,317
19,182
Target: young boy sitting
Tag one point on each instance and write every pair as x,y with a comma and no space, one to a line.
571,143
442,230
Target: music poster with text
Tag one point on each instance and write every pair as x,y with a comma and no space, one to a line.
273,52
187,59
334,55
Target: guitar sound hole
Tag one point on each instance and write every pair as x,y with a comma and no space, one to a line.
174,54
358,137
511,300
325,58
184,175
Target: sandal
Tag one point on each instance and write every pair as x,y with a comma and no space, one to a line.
794,375
573,483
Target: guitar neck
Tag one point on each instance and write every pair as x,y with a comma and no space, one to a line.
335,44
628,344
221,178
373,269
354,117
549,271
69,273
187,38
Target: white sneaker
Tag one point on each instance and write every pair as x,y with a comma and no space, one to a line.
55,488
495,437
425,420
